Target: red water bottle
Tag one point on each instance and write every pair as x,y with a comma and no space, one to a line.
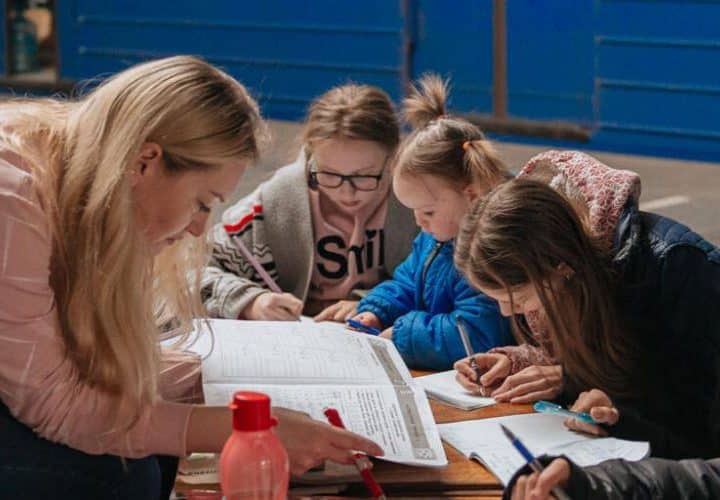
253,462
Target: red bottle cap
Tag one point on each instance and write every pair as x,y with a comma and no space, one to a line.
251,411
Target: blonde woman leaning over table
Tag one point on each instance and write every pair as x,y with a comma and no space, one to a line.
102,202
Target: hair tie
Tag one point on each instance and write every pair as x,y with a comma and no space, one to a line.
466,145
438,118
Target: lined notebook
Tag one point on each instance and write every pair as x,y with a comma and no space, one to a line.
443,387
483,440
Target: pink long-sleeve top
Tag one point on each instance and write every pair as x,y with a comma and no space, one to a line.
38,382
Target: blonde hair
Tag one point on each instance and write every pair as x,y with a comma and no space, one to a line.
442,145
110,293
352,111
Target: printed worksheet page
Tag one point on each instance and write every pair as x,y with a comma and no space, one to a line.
309,367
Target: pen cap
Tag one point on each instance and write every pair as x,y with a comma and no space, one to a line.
251,411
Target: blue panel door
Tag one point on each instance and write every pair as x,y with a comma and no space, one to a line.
550,60
455,40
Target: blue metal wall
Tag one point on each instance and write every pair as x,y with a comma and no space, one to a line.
455,39
550,60
658,76
642,75
286,52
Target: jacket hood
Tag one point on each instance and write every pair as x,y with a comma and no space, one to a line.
599,193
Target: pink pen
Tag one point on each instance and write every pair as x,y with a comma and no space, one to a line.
272,285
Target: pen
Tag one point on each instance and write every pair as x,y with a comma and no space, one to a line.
553,409
533,462
361,461
362,327
271,283
468,349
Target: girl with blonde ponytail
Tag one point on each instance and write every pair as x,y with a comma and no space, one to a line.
102,203
442,166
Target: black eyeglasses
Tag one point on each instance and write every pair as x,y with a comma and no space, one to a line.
358,182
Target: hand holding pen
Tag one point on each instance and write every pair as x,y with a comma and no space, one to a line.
275,305
481,373
539,486
534,464
469,351
352,323
362,462
271,306
598,405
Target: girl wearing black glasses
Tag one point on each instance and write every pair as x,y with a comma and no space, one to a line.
323,228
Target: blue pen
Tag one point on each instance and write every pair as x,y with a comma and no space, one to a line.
533,462
553,409
363,328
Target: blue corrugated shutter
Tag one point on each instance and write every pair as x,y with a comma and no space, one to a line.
658,76
285,52
455,40
550,60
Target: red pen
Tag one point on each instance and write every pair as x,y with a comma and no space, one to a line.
362,462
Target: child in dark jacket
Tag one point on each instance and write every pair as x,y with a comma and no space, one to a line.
440,168
627,311
649,479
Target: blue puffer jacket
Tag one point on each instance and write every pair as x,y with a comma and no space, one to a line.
422,302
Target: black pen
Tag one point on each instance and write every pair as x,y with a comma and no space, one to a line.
468,349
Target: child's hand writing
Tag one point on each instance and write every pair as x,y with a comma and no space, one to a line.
495,367
340,311
271,306
599,406
531,384
368,319
538,486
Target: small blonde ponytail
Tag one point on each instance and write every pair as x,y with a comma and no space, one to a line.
482,161
427,101
445,146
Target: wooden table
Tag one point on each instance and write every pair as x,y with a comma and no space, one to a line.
460,479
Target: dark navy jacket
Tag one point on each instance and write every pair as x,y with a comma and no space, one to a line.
422,301
670,299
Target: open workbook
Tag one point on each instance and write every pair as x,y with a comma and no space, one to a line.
484,441
309,366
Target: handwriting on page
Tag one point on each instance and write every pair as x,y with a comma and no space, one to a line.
541,433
